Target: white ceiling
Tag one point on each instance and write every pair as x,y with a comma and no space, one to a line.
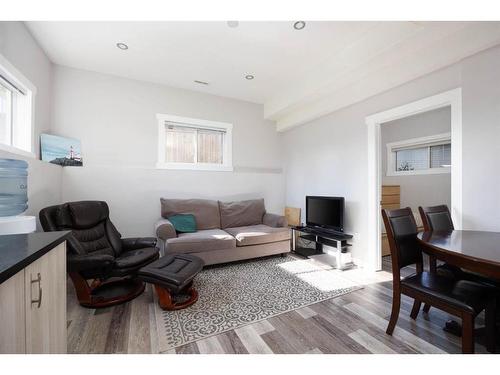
299,75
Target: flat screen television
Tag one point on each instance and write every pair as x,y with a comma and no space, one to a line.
325,212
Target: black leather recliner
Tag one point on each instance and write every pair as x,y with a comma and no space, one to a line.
95,250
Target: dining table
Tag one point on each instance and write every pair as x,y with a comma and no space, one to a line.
471,250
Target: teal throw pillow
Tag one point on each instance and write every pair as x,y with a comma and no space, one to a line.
183,223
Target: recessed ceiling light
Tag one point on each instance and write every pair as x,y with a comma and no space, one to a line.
122,46
201,82
249,77
299,25
233,24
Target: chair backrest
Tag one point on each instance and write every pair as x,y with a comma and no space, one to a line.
402,232
436,218
91,229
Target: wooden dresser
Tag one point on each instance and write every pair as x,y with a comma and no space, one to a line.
391,200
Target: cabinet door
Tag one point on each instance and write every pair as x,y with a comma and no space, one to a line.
45,285
12,315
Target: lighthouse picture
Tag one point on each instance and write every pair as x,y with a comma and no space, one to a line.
61,150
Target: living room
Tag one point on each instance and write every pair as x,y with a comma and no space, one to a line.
220,186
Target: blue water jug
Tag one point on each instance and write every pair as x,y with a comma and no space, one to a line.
13,187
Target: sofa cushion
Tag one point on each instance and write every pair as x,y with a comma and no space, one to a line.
203,240
206,212
242,213
258,234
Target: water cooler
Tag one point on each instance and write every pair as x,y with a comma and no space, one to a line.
14,198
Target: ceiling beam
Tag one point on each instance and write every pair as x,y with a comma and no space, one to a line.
387,72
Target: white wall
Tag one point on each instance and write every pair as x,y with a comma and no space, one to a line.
481,141
115,119
21,50
329,155
423,189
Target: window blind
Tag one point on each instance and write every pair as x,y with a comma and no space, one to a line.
412,159
5,115
441,156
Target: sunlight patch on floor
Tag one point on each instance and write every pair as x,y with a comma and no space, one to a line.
319,275
326,280
304,265
356,276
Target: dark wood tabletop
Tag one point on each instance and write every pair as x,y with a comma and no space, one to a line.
476,251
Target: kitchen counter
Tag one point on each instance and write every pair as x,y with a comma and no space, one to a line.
17,251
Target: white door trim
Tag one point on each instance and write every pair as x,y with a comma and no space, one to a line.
452,98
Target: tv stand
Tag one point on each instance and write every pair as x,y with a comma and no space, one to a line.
332,243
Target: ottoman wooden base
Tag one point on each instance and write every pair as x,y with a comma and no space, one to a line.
166,299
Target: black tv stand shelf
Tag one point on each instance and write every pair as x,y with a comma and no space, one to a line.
336,243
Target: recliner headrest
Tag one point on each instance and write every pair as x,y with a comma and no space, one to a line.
82,215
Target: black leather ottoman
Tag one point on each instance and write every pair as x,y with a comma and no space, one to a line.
172,275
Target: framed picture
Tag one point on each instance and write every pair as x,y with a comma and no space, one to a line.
61,150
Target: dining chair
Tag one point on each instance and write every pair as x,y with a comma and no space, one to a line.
438,218
462,298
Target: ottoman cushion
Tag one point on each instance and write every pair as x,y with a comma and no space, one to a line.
172,271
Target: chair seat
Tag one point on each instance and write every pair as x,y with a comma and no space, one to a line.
458,273
462,294
134,258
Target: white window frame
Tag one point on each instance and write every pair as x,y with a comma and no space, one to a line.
23,137
433,140
227,156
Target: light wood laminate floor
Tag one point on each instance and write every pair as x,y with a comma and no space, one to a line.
353,323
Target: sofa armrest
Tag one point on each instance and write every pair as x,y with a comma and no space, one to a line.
274,220
138,243
165,230
87,262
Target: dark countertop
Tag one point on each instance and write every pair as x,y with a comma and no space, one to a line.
20,250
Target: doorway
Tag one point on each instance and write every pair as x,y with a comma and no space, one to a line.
450,100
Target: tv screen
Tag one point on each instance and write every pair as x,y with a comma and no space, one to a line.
326,212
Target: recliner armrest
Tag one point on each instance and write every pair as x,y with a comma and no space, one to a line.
138,243
87,262
273,220
165,230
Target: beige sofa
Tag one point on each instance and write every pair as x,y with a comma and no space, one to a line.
226,231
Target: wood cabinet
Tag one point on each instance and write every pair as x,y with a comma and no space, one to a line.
33,306
390,200
13,315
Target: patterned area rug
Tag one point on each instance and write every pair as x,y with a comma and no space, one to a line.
238,294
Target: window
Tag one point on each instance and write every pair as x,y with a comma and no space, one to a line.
420,156
15,110
185,143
